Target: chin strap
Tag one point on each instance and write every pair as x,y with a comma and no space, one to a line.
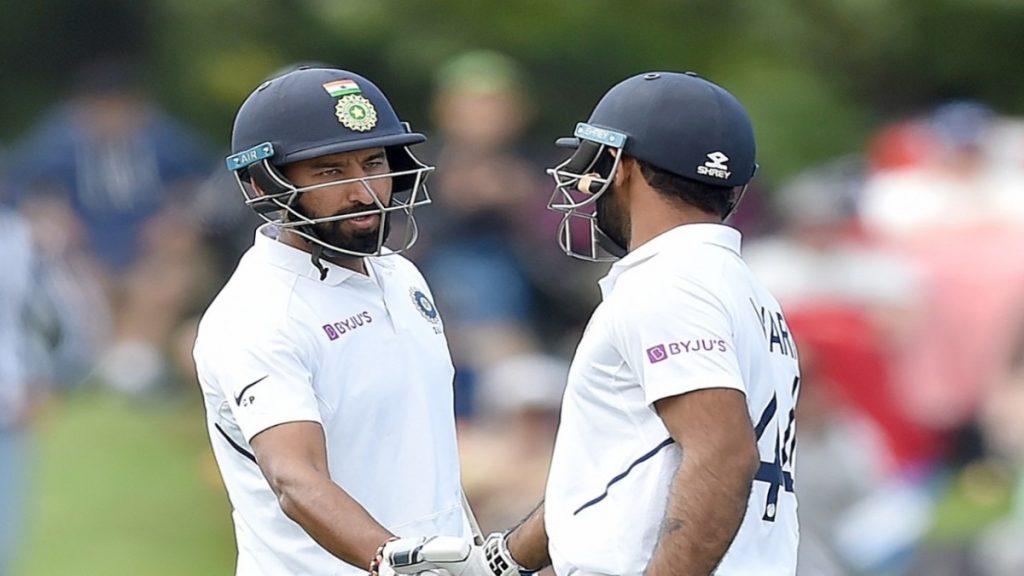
316,250
314,256
735,202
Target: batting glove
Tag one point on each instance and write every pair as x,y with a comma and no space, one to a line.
450,555
499,560
402,556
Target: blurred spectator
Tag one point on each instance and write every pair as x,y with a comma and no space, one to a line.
15,286
506,452
1004,147
998,551
944,192
481,248
821,253
105,177
932,172
842,461
958,167
852,299
979,523
900,291
46,315
857,516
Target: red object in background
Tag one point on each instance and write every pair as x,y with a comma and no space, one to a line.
900,145
850,356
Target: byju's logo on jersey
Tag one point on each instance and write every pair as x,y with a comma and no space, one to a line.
661,352
657,353
424,305
715,166
335,330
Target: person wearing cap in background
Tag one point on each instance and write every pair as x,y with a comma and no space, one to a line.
477,251
323,361
107,179
675,451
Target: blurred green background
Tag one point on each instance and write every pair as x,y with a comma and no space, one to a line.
125,488
817,75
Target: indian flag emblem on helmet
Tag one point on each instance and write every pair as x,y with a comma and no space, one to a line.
355,112
340,88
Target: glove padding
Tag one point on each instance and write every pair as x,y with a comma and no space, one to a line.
450,555
415,555
499,560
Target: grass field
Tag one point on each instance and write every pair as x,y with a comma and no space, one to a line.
125,488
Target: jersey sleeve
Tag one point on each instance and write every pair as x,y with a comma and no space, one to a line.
677,337
267,379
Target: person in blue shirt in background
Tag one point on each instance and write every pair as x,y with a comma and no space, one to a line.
120,175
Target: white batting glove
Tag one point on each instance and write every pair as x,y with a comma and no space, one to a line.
498,559
403,556
449,555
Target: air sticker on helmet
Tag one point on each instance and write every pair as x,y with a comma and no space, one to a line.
600,135
355,112
250,156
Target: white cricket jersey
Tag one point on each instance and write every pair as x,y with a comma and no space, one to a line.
680,313
366,357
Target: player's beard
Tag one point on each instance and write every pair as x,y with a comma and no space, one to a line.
362,241
613,221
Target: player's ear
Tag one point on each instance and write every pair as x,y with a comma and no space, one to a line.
626,166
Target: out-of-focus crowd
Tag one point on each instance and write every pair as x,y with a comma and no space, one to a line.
897,271
897,268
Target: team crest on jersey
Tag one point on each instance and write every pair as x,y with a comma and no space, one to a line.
424,305
355,112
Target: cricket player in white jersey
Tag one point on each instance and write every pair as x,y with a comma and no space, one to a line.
323,362
675,451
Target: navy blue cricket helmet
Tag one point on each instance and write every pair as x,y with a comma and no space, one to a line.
678,122
316,111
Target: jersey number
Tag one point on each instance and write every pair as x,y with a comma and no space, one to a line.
777,473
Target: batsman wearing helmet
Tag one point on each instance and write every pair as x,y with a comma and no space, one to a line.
675,450
323,362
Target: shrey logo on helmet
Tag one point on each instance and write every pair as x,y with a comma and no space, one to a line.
312,112
715,166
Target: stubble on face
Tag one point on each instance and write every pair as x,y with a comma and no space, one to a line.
613,218
366,241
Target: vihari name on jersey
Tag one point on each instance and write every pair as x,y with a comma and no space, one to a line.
776,331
